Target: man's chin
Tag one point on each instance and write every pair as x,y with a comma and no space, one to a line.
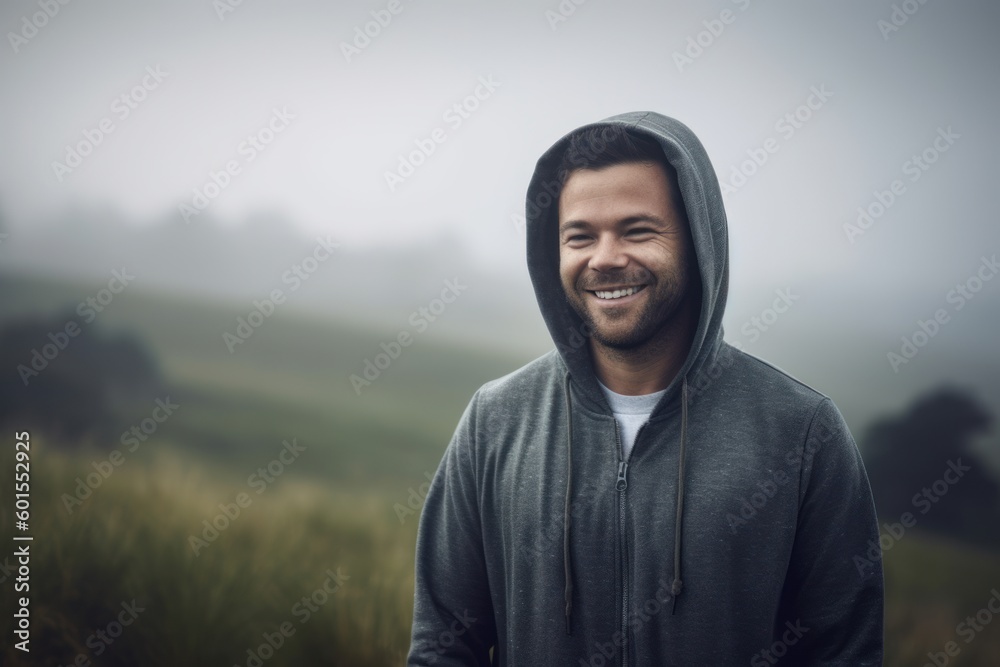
618,329
615,337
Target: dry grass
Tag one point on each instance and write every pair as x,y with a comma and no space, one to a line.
130,541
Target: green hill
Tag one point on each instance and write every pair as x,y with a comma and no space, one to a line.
215,588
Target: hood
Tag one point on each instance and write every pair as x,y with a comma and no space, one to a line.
702,198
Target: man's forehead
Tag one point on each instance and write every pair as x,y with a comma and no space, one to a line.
629,185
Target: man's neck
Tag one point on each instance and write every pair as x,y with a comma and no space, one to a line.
649,368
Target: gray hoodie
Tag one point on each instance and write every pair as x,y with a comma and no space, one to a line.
740,530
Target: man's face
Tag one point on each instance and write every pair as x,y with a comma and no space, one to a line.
625,252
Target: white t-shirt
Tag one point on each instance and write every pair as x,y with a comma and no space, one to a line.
630,412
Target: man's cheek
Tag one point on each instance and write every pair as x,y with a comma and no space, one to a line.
567,276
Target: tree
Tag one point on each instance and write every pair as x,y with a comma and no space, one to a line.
908,458
73,388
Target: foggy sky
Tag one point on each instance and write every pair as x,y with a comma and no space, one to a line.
352,120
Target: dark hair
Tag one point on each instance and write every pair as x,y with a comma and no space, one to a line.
608,145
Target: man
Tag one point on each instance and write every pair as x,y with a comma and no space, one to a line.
646,494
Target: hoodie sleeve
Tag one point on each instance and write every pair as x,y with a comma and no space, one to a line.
453,620
831,609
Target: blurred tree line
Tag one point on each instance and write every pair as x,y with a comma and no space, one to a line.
920,461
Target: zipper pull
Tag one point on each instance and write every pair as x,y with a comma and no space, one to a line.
622,482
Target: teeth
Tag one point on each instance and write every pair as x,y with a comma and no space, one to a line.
617,294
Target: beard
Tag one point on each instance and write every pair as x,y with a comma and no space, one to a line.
633,326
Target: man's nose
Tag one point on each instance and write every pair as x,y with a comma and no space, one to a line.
608,254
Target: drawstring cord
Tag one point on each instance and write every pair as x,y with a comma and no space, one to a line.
676,585
567,566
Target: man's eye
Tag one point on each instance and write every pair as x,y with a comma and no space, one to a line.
639,231
576,238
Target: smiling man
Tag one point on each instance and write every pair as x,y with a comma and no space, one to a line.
644,494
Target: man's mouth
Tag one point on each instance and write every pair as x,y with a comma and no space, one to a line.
617,293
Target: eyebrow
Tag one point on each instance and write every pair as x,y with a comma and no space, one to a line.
624,222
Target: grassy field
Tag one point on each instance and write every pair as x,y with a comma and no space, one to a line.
932,586
325,528
131,541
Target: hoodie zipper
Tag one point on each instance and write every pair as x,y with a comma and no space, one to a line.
621,484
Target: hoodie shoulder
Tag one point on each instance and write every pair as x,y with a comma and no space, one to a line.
518,386
777,382
511,411
736,381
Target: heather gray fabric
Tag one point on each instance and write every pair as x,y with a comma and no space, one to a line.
777,513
